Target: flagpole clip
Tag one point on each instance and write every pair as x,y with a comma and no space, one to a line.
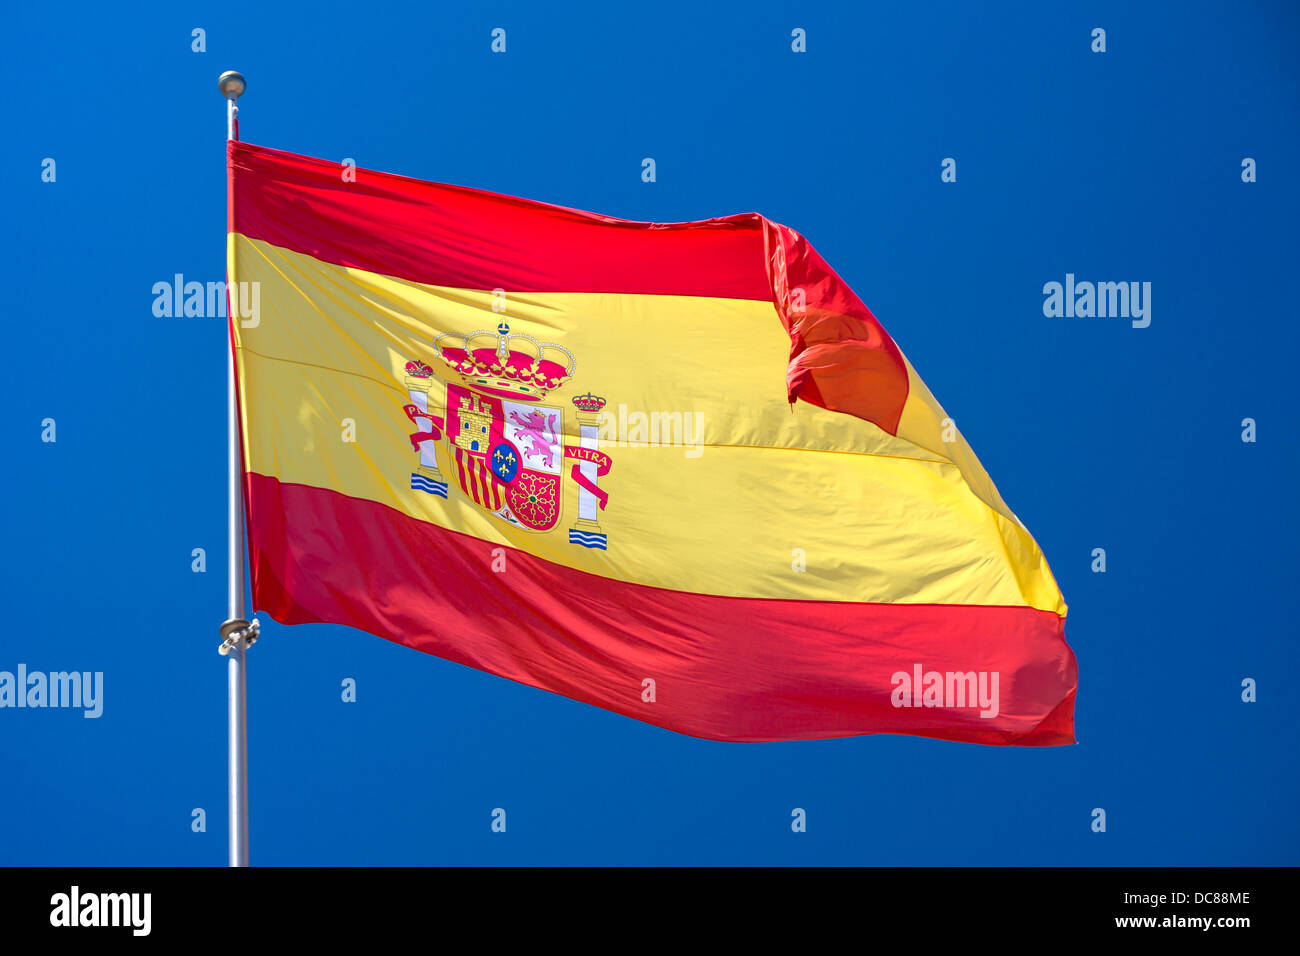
236,630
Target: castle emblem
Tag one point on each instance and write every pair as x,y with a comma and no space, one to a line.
501,439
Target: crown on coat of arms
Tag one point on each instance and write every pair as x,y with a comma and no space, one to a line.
589,402
514,365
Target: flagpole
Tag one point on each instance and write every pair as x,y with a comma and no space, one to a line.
237,633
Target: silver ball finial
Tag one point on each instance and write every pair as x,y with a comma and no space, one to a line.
232,84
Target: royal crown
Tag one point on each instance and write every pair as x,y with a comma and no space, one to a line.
589,402
514,365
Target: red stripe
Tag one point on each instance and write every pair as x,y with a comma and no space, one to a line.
473,480
840,357
460,468
724,668
469,238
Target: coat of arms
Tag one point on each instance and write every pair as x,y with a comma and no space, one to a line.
500,439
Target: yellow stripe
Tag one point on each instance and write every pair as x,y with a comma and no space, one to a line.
874,516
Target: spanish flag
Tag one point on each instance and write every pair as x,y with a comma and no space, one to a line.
675,470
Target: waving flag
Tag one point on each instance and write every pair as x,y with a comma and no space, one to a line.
677,471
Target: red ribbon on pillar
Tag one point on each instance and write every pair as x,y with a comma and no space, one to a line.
413,413
603,464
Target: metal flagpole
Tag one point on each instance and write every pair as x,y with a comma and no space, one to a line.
237,633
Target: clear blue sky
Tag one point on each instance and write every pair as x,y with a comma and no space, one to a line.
1117,166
